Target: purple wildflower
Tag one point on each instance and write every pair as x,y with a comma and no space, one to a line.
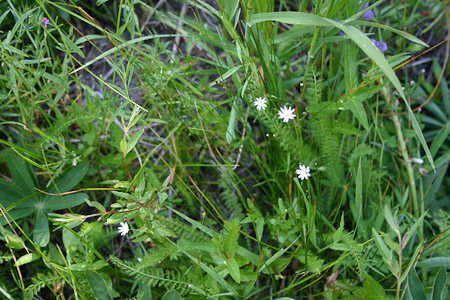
340,33
45,21
368,15
383,46
380,44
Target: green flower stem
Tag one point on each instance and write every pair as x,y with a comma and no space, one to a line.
409,170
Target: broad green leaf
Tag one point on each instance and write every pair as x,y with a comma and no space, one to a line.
371,290
12,240
434,262
297,18
70,240
123,146
415,287
41,232
98,285
439,285
9,193
231,241
27,258
134,139
62,202
233,269
21,174
171,295
399,32
69,179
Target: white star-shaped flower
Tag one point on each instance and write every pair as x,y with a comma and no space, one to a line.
123,228
286,114
303,172
260,103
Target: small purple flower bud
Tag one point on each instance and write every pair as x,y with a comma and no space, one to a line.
45,21
368,15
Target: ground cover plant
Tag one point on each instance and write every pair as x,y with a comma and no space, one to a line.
229,149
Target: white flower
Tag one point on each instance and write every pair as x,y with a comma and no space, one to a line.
303,172
123,228
139,259
286,114
260,103
418,161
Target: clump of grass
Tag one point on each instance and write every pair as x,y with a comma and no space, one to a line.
226,150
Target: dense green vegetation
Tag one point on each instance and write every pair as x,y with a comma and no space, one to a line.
229,149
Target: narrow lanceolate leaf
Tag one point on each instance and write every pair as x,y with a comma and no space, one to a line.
230,134
439,285
391,221
363,42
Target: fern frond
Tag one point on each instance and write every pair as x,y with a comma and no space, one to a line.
139,296
39,282
156,277
181,230
156,255
229,196
321,124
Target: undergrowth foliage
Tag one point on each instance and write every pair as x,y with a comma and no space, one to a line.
237,149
